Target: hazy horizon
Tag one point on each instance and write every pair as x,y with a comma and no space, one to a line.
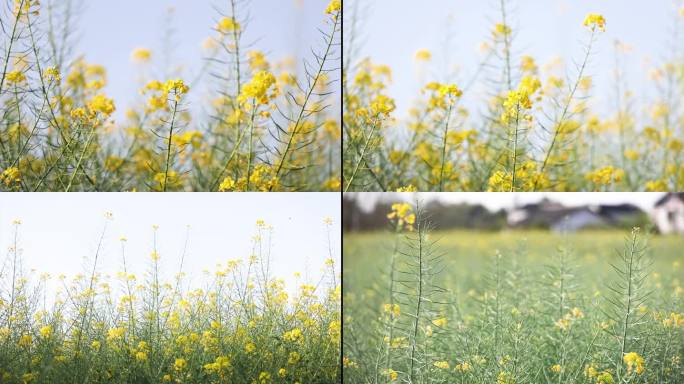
495,201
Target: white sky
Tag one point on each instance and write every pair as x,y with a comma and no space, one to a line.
394,30
59,229
498,200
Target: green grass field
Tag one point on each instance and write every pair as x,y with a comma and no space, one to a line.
513,307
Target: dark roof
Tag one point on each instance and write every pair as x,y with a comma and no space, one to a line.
551,216
548,212
617,209
668,196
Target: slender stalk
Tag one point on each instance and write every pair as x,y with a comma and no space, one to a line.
13,37
14,278
362,156
628,308
238,80
90,299
418,303
249,143
169,145
444,147
515,146
131,312
566,108
302,110
388,357
80,159
358,151
507,46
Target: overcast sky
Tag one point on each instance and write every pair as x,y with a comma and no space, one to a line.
498,200
394,30
59,229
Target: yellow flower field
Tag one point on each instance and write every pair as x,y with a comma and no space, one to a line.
512,307
240,325
267,126
529,126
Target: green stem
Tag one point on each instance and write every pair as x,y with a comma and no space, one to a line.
283,158
566,108
169,146
80,159
444,146
249,144
362,156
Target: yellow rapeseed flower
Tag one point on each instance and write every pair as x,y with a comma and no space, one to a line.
293,335
228,25
293,358
177,87
141,55
656,186
605,175
394,309
333,7
441,322
51,73
115,334
577,313
634,362
24,7
605,378
46,331
594,20
103,104
403,216
180,364
392,375
501,30
675,320
408,188
228,184
258,88
423,55
382,105
15,77
10,175
25,341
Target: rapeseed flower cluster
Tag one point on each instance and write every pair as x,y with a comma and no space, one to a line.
242,326
536,127
264,126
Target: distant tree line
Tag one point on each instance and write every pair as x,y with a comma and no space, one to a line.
443,216
545,215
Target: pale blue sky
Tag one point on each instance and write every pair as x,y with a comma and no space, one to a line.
59,229
393,30
108,31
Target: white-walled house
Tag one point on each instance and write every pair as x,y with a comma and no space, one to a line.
559,218
668,213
